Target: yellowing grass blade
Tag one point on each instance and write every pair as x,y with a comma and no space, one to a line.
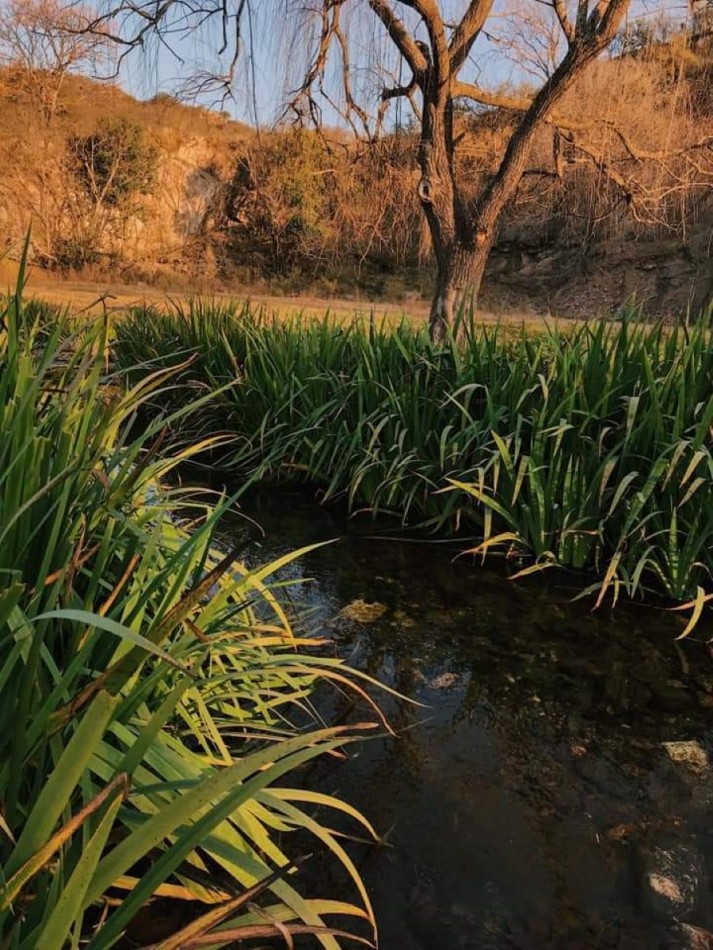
223,938
698,604
175,892
10,891
537,568
495,541
608,579
212,918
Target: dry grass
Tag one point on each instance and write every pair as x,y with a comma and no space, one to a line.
93,297
84,101
573,246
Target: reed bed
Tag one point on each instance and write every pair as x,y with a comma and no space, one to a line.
149,682
586,448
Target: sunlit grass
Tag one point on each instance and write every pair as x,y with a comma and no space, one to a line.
586,447
150,684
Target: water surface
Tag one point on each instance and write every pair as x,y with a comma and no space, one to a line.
522,804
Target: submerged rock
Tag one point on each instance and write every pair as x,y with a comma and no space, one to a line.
445,681
690,753
673,881
361,611
688,937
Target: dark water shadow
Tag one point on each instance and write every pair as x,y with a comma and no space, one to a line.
525,804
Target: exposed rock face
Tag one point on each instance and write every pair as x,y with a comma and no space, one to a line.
174,229
178,218
669,276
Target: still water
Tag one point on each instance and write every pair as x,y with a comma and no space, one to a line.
529,801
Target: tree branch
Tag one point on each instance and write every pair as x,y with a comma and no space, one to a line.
351,103
403,40
468,31
430,13
396,92
606,20
560,8
469,90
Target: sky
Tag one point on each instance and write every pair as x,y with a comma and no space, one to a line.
264,78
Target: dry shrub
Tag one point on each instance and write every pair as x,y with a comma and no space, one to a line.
603,191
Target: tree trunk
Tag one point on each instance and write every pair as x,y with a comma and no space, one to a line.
459,272
463,231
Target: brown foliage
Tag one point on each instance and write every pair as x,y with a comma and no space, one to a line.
363,201
297,206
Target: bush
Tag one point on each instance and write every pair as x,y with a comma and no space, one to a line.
114,164
74,253
279,200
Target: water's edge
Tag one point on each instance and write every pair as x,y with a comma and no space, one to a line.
531,802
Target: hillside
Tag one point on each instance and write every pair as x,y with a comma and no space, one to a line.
284,212
164,239
83,101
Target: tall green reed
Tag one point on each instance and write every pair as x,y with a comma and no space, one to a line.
150,684
587,447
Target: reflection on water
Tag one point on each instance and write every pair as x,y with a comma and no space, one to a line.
522,806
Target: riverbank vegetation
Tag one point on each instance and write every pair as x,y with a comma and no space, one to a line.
154,700
153,693
586,447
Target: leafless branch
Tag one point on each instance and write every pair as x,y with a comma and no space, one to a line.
468,31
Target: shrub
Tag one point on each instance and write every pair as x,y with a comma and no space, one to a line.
114,164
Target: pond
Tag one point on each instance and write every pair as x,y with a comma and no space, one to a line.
552,790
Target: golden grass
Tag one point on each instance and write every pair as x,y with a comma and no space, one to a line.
92,297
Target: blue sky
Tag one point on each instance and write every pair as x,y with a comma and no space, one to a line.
262,82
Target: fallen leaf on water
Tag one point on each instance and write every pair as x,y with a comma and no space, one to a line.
362,612
444,681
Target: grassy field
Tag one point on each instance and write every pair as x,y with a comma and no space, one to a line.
92,297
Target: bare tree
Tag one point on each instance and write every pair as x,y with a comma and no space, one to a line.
44,40
41,43
463,229
441,48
